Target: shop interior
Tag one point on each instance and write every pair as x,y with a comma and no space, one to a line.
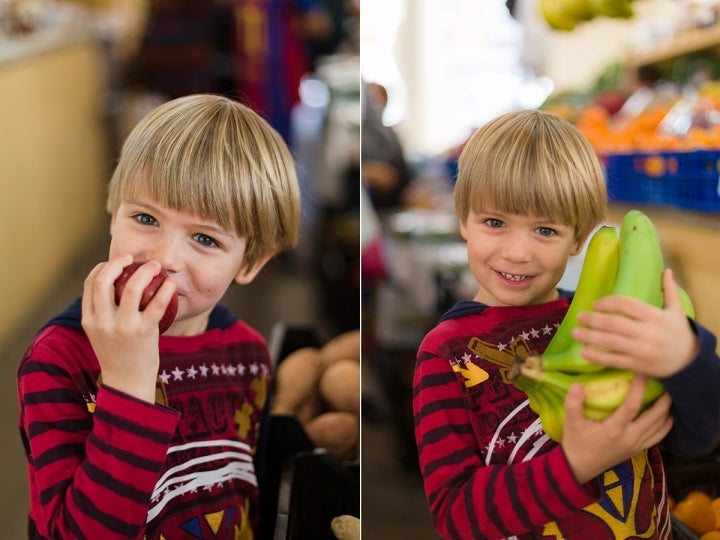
641,87
76,75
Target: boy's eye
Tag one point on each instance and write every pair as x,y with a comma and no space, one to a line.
205,240
494,222
145,219
546,231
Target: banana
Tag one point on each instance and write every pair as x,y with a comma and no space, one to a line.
553,413
547,404
639,274
611,8
687,303
603,392
553,13
641,260
597,277
629,265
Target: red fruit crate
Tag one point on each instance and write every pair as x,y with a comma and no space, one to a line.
688,180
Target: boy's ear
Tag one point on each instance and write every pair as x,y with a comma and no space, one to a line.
578,246
463,230
246,275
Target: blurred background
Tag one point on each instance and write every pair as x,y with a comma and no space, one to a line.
75,77
639,78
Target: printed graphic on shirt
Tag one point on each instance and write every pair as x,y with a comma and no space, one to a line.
211,458
501,354
625,509
214,525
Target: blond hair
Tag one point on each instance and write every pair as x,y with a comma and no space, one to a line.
531,162
217,159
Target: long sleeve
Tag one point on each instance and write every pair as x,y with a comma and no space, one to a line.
489,469
696,401
94,459
469,498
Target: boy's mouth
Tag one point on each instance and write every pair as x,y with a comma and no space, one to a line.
513,277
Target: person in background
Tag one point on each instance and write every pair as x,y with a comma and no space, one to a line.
530,190
185,48
385,171
272,53
133,434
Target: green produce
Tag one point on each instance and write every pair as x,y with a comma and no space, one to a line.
547,378
597,277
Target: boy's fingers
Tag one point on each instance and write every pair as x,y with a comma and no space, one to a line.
629,408
574,404
670,292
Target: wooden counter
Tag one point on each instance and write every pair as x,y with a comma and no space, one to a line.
53,167
692,249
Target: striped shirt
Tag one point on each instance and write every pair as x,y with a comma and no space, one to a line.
488,468
102,464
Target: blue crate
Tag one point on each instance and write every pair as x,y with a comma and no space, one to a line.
688,180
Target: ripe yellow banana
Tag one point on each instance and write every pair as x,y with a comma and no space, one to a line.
597,277
603,391
554,14
547,405
611,8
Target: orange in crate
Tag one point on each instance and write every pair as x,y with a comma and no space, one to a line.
696,512
716,508
712,535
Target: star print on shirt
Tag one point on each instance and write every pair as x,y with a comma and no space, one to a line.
178,374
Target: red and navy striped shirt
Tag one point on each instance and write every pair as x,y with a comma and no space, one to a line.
490,471
102,464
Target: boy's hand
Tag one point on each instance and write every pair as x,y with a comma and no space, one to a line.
593,447
124,338
627,333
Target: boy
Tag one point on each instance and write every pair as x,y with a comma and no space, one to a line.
130,434
529,192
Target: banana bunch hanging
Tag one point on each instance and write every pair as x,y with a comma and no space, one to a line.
564,15
629,264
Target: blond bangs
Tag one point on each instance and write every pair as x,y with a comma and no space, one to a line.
218,164
531,164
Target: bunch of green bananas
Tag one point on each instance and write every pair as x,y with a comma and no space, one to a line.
628,264
564,15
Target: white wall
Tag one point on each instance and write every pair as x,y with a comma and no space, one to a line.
450,65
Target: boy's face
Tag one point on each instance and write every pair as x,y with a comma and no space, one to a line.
517,260
199,256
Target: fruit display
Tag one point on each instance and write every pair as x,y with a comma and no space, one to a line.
629,264
628,110
565,15
148,294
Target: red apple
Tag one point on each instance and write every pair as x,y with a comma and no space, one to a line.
147,295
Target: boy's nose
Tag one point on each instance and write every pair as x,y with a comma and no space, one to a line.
167,251
516,248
